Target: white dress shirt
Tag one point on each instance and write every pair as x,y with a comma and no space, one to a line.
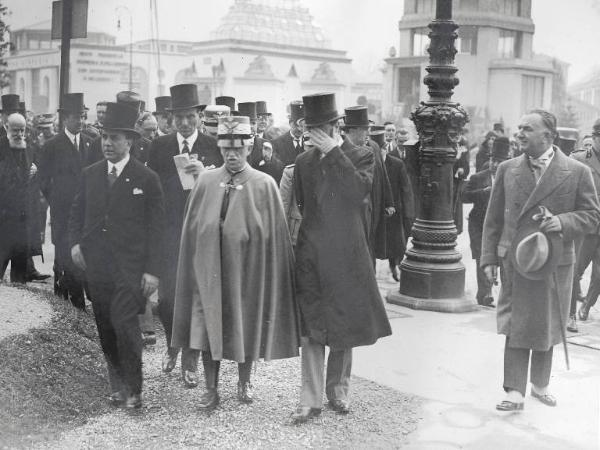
118,165
74,138
190,140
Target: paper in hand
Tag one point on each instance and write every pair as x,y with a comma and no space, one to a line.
187,179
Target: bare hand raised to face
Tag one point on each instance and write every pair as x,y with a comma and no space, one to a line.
321,140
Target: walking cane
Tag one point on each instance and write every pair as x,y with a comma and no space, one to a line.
560,317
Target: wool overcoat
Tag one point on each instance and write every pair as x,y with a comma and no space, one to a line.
336,288
527,311
235,282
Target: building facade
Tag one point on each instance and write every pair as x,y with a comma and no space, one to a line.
259,51
500,77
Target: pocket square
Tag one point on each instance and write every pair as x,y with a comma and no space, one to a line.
137,191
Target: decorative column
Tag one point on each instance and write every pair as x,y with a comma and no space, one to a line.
432,275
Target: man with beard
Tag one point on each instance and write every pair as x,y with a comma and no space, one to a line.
19,200
204,153
115,232
62,160
478,191
335,281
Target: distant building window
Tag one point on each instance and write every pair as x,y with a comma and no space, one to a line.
425,6
532,95
420,41
597,97
409,84
509,44
467,40
510,7
207,60
45,44
34,44
587,96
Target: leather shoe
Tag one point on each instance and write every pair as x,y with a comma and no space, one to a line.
584,312
546,399
572,325
303,414
244,392
395,274
506,405
487,301
209,400
169,360
190,378
34,275
117,398
340,406
134,401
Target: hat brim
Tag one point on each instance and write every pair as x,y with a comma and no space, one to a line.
181,108
323,121
345,127
555,249
127,130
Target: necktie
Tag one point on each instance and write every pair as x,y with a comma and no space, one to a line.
296,144
75,146
538,168
228,187
112,176
185,149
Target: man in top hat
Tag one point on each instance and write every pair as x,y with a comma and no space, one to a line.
204,152
399,224
19,202
163,117
381,206
335,281
262,119
210,121
536,279
234,297
589,250
478,191
62,159
289,145
10,105
498,128
115,233
226,100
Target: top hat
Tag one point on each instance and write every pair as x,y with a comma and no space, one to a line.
72,102
377,133
247,109
261,109
356,117
226,101
22,107
162,104
535,255
120,117
184,96
10,103
500,149
234,131
213,112
498,126
45,120
296,111
320,109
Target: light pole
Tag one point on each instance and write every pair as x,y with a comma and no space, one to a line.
432,275
125,8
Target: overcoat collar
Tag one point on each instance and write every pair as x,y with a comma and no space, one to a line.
594,161
556,173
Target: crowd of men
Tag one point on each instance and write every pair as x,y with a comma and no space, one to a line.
260,241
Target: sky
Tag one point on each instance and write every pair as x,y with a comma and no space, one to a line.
567,30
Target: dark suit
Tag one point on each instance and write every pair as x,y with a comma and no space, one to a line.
60,175
398,226
19,210
285,150
160,159
119,230
477,191
274,167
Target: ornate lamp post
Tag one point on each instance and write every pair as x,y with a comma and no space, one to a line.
432,275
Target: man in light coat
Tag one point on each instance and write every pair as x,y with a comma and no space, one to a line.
527,309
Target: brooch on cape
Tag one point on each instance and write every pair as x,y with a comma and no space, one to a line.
229,186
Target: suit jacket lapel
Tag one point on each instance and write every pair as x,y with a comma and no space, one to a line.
556,173
122,184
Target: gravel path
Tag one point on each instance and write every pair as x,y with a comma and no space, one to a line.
380,417
21,310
